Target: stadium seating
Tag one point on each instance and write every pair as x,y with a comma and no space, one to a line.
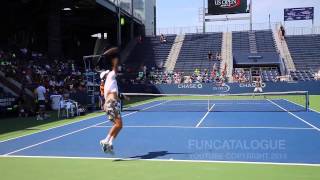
264,42
305,51
150,53
269,74
240,41
302,75
194,52
261,43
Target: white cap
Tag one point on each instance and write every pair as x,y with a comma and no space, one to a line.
104,73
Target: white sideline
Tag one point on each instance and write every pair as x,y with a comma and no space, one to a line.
202,119
73,132
215,127
52,139
50,128
313,110
167,160
313,126
63,125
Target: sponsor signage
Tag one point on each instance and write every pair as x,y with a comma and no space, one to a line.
220,7
293,14
221,89
190,86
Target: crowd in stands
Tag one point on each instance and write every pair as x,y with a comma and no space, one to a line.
240,76
198,76
33,69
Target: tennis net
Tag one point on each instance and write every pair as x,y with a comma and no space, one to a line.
247,102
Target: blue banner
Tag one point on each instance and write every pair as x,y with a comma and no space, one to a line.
229,88
292,14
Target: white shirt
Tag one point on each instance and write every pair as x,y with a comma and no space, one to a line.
41,91
111,84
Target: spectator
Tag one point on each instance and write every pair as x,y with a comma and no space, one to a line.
144,68
22,104
40,93
210,56
163,39
218,56
282,32
140,39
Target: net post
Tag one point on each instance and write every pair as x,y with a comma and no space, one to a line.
307,101
208,103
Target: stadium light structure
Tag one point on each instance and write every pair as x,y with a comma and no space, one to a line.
100,36
117,2
67,9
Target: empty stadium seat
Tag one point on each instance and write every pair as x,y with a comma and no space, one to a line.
150,53
305,51
194,52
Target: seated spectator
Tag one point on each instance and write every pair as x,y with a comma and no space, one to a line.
163,39
197,72
218,56
140,39
210,56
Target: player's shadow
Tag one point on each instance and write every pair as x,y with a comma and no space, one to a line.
150,155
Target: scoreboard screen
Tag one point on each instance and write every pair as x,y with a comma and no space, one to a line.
220,7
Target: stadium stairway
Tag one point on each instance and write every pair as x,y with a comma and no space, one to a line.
261,41
174,53
194,52
14,86
283,50
151,53
226,54
6,89
252,42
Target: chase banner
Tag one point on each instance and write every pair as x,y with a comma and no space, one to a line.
220,7
292,14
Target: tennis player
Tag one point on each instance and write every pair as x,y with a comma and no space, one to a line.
112,104
103,77
258,86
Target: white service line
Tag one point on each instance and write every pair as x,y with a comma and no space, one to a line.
201,120
313,126
215,127
168,160
73,132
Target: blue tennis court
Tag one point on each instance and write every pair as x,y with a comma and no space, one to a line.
280,135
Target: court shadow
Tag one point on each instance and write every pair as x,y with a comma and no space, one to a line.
150,155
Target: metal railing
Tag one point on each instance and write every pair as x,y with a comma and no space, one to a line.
216,28
237,27
302,30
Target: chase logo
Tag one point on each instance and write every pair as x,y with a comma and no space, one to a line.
190,86
227,4
251,85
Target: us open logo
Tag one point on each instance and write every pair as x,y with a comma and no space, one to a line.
227,4
225,88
